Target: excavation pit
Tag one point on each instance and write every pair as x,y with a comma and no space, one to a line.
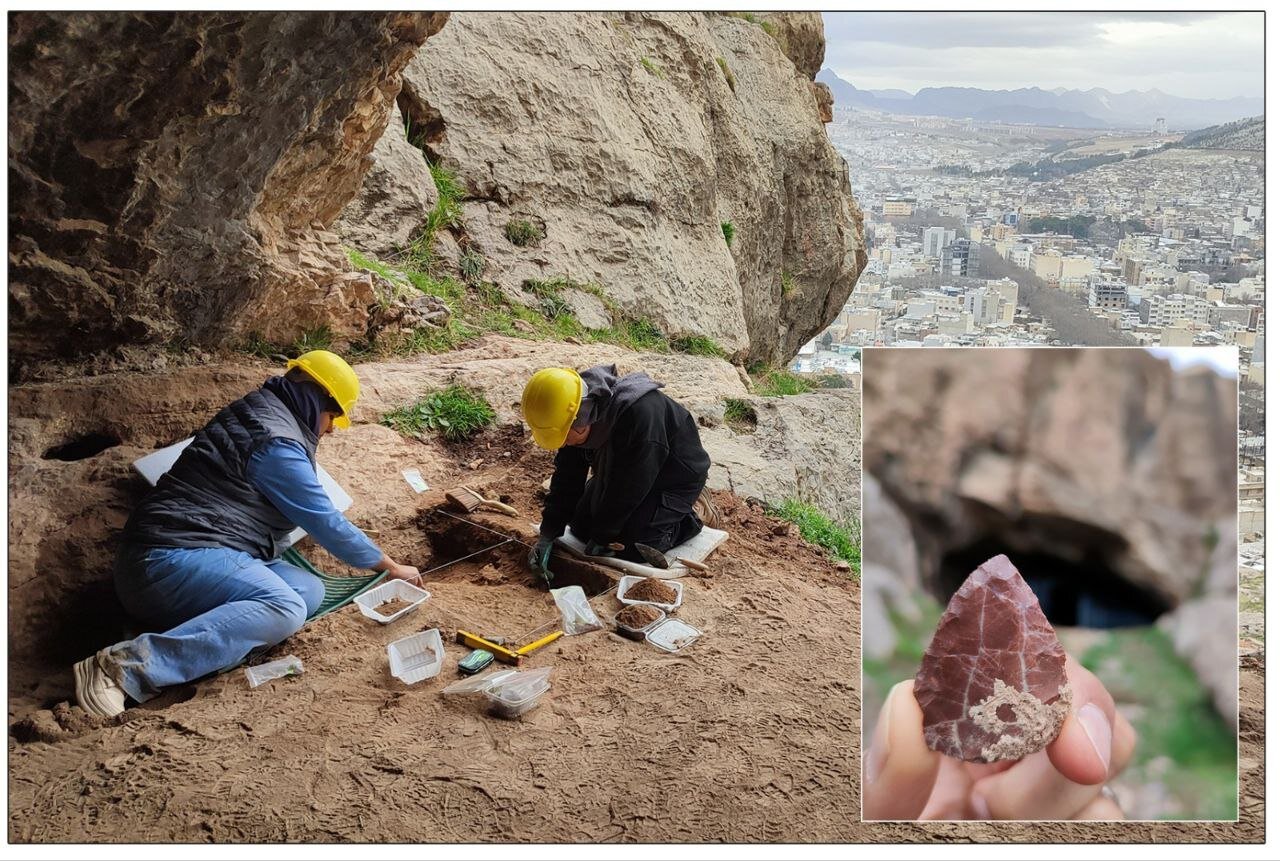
481,577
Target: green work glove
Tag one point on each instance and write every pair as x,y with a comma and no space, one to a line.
540,558
595,548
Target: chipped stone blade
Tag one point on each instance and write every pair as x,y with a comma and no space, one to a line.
993,682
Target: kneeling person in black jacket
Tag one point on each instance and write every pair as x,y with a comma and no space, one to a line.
642,449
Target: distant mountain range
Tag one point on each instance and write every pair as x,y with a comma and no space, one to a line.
1096,108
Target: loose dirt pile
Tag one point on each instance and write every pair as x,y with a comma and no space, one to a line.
390,608
637,616
653,590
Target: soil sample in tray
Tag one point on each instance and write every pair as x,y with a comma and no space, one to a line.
653,590
637,616
390,608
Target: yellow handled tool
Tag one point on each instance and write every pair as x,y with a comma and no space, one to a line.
538,644
502,653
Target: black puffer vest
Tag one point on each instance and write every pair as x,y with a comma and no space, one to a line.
206,500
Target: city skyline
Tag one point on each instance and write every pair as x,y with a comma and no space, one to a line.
1115,51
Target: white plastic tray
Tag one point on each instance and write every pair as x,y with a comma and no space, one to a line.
672,635
416,658
368,601
630,580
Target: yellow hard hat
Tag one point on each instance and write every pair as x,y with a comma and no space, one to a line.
333,373
550,403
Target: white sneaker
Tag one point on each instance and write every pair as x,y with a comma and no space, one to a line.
96,691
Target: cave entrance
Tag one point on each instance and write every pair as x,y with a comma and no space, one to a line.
481,576
1086,592
82,447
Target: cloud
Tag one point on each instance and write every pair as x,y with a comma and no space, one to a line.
1191,54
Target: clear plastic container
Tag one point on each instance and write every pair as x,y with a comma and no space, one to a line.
516,696
368,602
416,658
637,633
672,635
630,580
289,665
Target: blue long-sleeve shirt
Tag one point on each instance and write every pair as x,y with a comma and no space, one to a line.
284,475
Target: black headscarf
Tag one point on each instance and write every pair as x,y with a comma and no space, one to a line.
304,398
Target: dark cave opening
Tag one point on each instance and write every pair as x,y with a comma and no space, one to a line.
82,447
1086,592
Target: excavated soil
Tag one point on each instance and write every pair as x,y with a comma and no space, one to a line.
637,616
751,734
652,590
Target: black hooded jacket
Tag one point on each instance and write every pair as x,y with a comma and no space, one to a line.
653,444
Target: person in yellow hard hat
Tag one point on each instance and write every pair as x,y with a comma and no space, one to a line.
199,557
646,462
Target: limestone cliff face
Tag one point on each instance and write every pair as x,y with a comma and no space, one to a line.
629,141
171,174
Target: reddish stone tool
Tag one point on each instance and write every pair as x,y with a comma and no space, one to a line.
993,683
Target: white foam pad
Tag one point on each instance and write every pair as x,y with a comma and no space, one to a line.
696,549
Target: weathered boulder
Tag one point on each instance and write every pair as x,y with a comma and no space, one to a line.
627,140
1202,632
803,447
171,174
395,198
1103,455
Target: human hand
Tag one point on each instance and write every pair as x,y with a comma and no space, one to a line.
404,572
595,548
904,779
540,558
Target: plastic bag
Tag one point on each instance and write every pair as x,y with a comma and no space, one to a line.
576,614
289,665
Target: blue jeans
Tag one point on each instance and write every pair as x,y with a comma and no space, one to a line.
214,605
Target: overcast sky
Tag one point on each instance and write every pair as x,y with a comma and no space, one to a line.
1191,54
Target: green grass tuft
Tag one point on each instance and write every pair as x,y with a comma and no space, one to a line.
789,286
471,265
696,345
728,75
319,338
841,540
652,68
256,345
779,383
729,231
522,232
740,415
456,413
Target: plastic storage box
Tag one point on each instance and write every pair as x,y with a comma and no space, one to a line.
630,580
672,635
514,698
637,633
416,658
369,601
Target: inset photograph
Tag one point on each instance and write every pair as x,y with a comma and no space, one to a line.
1049,626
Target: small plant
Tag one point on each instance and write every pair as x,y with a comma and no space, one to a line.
471,265
841,540
729,231
753,18
652,67
728,75
833,381
789,285
319,338
740,415
522,232
642,335
697,345
256,345
779,383
456,413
